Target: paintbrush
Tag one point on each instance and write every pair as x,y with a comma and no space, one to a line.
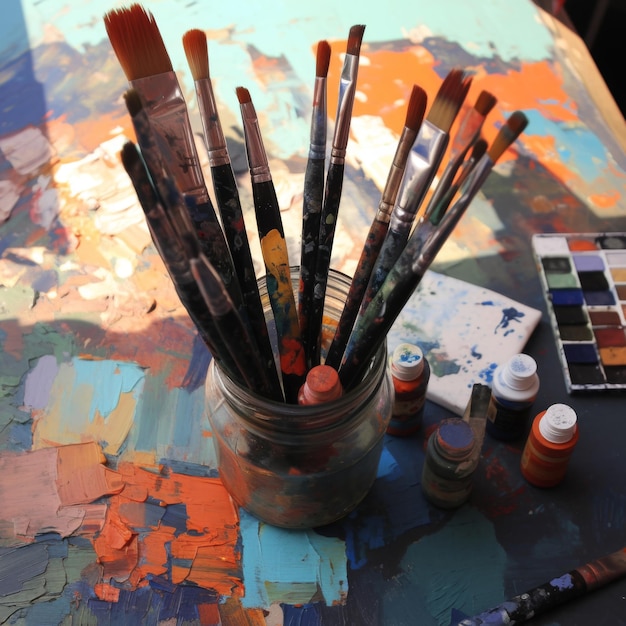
275,254
175,254
467,167
423,161
231,327
140,49
378,229
575,584
228,201
162,179
468,132
313,194
371,328
333,188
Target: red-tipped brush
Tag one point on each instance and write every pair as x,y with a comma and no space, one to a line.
333,189
313,195
378,229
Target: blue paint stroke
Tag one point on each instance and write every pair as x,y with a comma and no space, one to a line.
198,365
486,374
312,563
577,146
509,315
394,506
563,582
474,352
114,378
303,615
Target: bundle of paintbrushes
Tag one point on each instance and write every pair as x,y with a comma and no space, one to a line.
208,256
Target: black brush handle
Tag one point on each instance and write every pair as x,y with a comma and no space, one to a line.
229,206
311,214
328,223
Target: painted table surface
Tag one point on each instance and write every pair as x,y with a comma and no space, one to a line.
111,508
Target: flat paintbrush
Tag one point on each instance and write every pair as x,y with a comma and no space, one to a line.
175,255
371,328
228,201
422,164
140,49
333,188
468,132
313,194
275,254
379,226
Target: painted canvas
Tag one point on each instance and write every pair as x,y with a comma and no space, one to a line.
465,332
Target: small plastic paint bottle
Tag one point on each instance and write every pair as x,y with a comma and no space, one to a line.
449,464
322,384
410,373
549,446
513,392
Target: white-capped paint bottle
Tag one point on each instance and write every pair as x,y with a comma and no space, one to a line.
549,446
513,391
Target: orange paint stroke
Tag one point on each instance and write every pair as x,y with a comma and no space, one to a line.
607,200
534,86
205,552
581,245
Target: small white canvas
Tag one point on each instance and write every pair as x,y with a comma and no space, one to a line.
465,332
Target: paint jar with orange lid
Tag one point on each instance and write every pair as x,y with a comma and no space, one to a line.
322,384
300,466
410,373
549,446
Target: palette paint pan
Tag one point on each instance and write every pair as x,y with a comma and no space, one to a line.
583,276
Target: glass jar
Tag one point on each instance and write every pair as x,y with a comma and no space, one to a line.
301,466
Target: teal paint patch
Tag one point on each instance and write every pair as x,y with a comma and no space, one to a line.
462,566
120,378
312,564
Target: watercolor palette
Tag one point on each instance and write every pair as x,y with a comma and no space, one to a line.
584,281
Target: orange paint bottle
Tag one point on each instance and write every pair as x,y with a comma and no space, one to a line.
322,384
549,446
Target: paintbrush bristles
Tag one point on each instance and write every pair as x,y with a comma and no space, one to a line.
243,95
354,39
137,42
197,53
449,99
508,134
416,109
322,59
485,102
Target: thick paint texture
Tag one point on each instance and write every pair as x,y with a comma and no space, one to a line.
291,566
152,537
54,490
464,568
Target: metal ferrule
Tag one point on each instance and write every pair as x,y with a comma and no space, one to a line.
394,178
257,157
216,143
439,235
166,108
347,89
317,147
421,167
465,137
